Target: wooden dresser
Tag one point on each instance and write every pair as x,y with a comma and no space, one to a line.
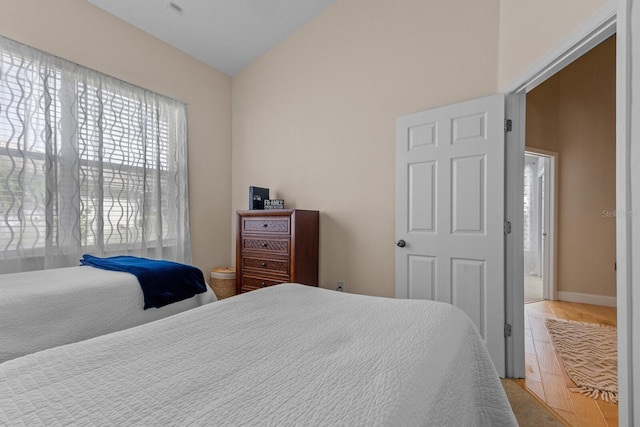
276,246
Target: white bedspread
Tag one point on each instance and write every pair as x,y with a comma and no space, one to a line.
43,309
284,355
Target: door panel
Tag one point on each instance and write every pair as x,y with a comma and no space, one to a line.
468,282
468,196
422,191
422,275
450,212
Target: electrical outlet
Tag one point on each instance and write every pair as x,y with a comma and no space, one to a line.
340,287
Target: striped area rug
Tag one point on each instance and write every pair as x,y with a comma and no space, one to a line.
589,354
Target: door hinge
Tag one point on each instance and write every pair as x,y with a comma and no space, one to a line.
507,330
507,227
508,125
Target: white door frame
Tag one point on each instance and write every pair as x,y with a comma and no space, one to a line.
551,201
621,17
542,217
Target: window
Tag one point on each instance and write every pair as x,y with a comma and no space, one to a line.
88,163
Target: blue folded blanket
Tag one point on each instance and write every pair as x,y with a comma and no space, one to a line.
162,282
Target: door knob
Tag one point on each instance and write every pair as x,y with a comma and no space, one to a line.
401,243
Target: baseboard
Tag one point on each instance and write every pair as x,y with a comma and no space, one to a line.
587,298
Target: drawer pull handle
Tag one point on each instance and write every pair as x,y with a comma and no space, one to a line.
264,264
263,284
265,245
265,225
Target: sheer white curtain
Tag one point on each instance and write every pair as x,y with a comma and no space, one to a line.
88,164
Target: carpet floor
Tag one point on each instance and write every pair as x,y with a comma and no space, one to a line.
528,410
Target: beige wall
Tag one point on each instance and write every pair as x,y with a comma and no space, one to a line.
80,32
573,113
314,118
529,29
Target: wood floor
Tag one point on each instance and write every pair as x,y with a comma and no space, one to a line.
545,376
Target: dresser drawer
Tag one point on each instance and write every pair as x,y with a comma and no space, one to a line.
267,265
250,283
266,225
276,246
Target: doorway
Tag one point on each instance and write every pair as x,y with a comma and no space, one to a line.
539,217
602,25
534,227
572,112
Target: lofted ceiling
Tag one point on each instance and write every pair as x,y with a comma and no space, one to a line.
225,34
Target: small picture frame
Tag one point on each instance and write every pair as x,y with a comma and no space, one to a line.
257,196
274,204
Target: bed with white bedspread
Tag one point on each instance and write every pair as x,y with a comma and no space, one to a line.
283,355
47,308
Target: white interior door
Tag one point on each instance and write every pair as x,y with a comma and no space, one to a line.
450,212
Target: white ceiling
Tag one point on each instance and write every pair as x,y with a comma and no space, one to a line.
226,34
